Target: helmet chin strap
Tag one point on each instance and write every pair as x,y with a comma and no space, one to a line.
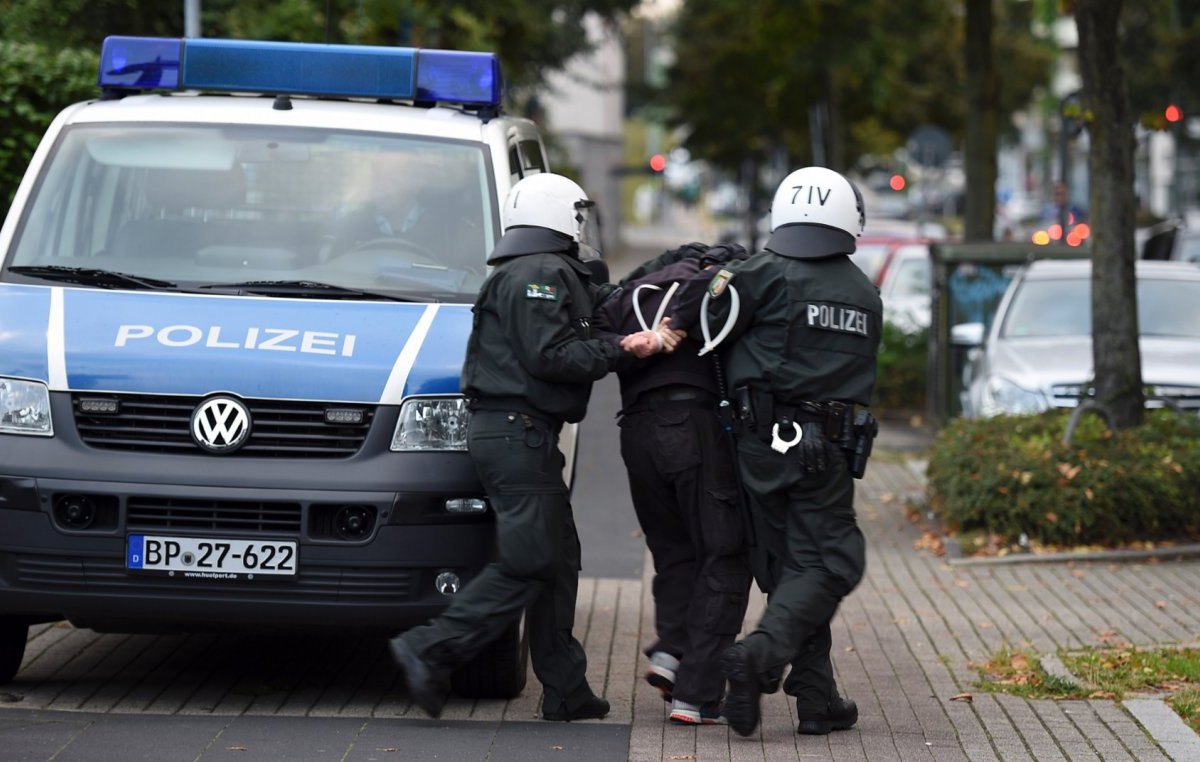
711,343
662,308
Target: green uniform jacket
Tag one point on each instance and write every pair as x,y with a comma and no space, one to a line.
807,329
531,347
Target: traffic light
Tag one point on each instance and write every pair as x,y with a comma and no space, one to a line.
1173,114
658,162
897,182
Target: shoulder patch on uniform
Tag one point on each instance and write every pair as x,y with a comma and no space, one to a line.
837,317
717,285
541,291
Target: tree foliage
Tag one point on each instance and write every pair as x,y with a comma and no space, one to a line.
35,83
879,69
532,37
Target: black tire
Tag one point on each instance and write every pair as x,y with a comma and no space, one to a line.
12,648
499,671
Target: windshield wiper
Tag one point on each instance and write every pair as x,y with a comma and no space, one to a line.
92,276
307,288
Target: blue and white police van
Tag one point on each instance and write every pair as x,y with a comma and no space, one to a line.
234,305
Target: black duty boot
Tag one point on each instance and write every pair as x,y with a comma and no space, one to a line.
427,685
592,709
741,702
841,714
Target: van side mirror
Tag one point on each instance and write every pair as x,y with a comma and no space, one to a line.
967,334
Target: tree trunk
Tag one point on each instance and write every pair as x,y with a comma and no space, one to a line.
982,97
1116,355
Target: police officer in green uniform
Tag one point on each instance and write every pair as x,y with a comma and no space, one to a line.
804,326
531,361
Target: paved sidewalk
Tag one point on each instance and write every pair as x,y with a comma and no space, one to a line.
903,643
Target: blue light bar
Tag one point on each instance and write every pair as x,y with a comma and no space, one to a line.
296,68
458,77
140,63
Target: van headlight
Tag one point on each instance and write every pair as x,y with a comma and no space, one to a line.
25,407
432,423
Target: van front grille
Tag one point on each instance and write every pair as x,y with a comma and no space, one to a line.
162,424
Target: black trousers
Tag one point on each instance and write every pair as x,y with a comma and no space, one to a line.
537,561
813,556
684,491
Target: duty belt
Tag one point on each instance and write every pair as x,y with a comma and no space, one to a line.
758,411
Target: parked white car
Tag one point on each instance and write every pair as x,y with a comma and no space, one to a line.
1037,353
905,286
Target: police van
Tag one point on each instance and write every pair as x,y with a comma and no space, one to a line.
234,305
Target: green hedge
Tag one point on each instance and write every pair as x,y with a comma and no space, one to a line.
1012,475
35,84
902,373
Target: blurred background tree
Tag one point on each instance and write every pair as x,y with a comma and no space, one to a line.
530,36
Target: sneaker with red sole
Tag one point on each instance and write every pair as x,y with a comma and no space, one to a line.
683,713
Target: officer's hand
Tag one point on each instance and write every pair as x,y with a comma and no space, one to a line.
642,344
812,448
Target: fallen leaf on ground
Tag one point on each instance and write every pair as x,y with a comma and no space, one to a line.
557,748
390,749
849,649
1160,604
236,748
967,697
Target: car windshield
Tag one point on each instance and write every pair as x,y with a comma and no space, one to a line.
870,258
911,278
1062,307
206,205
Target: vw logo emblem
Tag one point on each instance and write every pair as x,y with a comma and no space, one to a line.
221,424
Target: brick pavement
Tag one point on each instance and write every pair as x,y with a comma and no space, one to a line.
903,643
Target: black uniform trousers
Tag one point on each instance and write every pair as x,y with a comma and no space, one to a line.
684,492
537,561
815,555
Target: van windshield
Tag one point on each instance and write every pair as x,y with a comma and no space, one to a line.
214,204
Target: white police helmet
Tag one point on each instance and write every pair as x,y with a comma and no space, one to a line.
816,213
547,201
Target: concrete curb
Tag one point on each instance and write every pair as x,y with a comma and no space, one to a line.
1167,729
1178,551
1054,667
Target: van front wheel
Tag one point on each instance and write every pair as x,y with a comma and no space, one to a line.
499,671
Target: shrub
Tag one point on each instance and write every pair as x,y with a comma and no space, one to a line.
902,369
1012,474
35,84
